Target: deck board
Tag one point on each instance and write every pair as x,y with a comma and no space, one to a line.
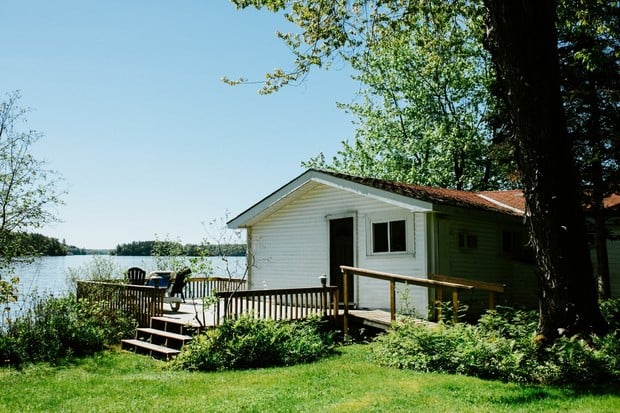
381,318
374,318
193,314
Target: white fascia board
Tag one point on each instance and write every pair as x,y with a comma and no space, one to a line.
411,204
306,182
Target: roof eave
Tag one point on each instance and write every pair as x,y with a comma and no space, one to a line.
289,191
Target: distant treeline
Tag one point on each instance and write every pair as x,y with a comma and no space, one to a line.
37,244
171,248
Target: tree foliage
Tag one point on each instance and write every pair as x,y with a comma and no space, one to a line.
170,248
28,191
38,244
425,109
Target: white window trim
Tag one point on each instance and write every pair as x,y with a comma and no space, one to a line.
381,218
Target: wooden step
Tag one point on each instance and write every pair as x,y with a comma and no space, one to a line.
153,350
174,325
167,334
177,321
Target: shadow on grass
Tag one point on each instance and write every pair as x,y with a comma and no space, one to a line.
532,394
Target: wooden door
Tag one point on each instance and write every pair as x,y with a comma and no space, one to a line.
341,252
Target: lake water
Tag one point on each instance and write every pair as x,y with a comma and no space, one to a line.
49,275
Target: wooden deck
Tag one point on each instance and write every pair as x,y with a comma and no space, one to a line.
195,314
192,314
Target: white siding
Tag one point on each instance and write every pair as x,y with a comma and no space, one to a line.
291,246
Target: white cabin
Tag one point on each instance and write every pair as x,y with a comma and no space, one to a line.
321,220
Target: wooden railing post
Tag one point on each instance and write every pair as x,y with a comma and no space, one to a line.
392,300
345,291
336,299
324,302
455,305
439,303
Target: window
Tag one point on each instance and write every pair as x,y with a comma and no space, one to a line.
514,245
467,240
511,242
390,236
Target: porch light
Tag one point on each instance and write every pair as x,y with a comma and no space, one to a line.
323,279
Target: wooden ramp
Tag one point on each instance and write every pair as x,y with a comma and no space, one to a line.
380,319
372,318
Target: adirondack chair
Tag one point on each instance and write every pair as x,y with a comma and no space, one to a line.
136,276
173,283
179,283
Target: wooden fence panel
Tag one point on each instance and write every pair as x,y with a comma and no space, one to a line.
201,287
138,301
278,304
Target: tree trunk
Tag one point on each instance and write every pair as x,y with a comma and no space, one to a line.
522,39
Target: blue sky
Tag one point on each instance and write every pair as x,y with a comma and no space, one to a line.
150,142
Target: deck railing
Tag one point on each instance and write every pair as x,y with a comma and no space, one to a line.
393,279
138,301
492,288
201,287
278,304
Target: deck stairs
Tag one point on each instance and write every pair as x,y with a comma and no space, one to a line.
163,339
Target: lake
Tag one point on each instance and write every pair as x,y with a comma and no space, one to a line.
48,275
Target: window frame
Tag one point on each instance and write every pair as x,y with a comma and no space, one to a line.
409,233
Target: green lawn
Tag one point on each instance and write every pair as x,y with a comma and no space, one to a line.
348,382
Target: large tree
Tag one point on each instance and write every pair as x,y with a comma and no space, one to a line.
521,36
28,191
523,41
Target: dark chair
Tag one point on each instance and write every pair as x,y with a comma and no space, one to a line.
179,283
136,276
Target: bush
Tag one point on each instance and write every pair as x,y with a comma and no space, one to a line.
99,268
252,343
501,346
60,328
457,349
611,310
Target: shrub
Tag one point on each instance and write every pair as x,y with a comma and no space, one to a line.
252,343
59,328
457,349
501,346
99,268
611,310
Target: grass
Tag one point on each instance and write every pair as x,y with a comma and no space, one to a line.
348,382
